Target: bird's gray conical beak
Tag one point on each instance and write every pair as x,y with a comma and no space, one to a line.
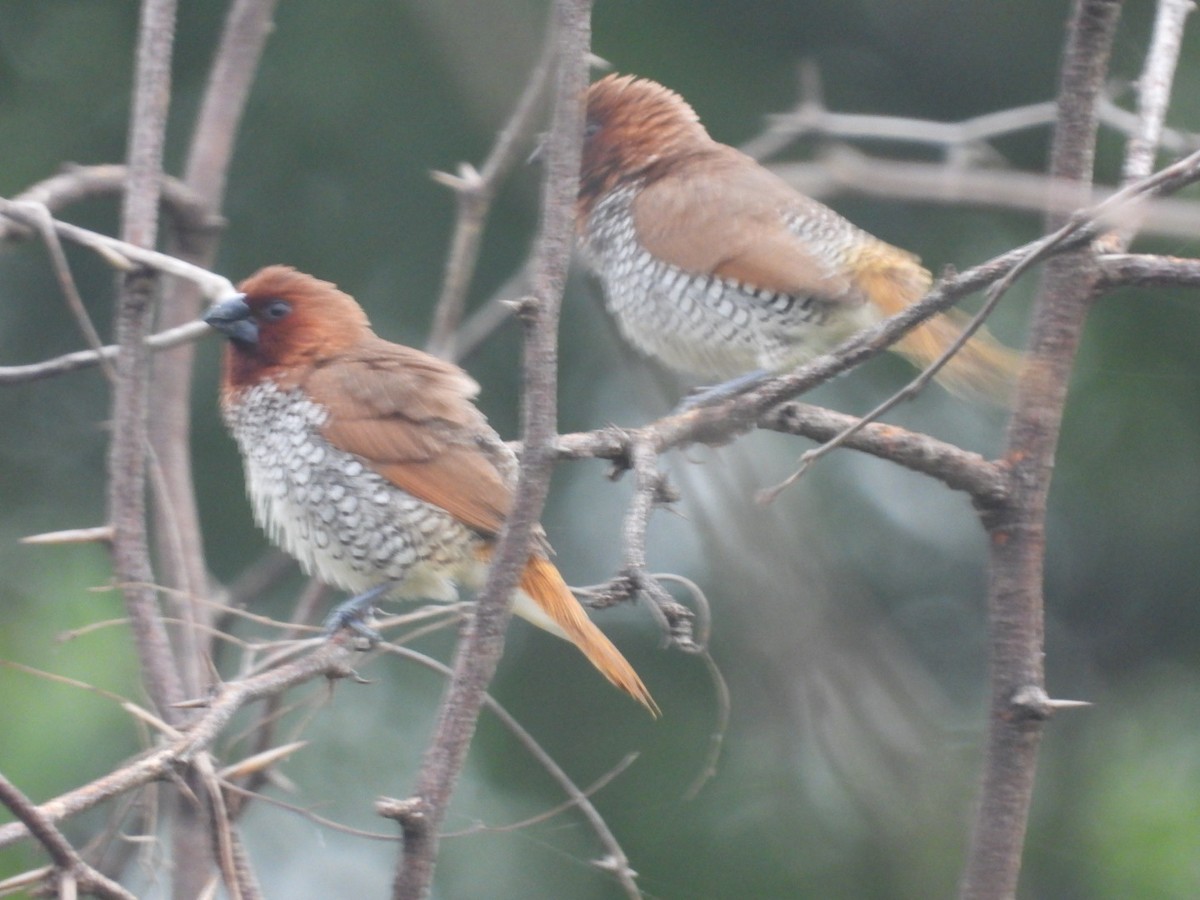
234,319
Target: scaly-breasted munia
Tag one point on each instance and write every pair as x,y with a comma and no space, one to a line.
719,268
369,463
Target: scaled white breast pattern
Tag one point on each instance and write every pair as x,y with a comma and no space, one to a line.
711,327
343,522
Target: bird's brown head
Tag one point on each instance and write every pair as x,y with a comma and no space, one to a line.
283,322
636,130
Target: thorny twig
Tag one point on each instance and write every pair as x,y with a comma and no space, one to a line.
1017,528
331,659
70,870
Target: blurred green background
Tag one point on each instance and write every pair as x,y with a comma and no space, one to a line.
846,617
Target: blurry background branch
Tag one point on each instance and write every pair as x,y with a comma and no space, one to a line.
961,141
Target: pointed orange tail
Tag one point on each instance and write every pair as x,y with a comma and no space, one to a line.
555,609
982,368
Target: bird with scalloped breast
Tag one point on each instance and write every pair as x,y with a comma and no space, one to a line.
717,267
369,462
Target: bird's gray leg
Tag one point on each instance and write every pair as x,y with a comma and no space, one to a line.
707,396
352,613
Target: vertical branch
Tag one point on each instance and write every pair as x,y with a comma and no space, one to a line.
180,544
130,443
483,641
1019,704
177,526
1154,96
1154,88
127,453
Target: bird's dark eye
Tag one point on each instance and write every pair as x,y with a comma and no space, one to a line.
276,310
590,128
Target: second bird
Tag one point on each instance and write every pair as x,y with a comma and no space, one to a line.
719,268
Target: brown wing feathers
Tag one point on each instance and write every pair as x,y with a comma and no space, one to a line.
410,417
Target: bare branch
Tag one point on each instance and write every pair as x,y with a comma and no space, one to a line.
68,864
475,191
483,640
1154,95
127,452
1154,88
958,469
958,139
843,169
243,37
651,490
330,660
1146,270
78,183
179,544
123,254
1017,529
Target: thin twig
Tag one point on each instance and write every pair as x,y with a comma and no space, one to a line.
475,191
958,469
123,254
329,660
1154,97
546,815
812,117
576,797
842,169
86,359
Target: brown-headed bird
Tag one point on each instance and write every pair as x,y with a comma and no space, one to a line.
369,463
719,268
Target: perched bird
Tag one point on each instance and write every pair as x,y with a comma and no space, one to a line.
719,268
369,463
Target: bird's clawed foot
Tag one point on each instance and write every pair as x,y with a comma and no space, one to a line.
715,393
352,614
